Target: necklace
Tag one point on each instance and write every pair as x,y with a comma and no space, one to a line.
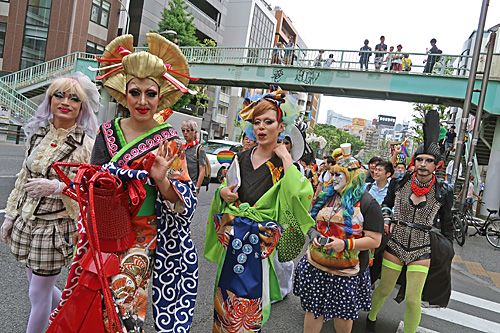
420,191
333,212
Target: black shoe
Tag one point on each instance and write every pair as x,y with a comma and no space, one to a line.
370,325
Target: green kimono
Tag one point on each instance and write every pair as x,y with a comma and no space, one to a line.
246,282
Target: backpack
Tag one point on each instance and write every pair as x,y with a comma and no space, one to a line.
208,168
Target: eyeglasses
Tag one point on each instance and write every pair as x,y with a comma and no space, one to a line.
428,160
186,130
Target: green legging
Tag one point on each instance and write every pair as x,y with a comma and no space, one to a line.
415,280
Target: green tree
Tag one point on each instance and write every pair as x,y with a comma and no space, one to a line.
334,137
177,19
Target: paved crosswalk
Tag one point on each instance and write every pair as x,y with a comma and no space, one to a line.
456,313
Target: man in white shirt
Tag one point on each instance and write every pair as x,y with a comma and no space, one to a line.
378,189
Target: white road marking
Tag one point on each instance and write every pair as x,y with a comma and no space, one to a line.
475,301
401,329
7,176
463,319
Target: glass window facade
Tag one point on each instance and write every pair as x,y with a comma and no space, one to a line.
3,29
261,32
36,30
94,48
99,13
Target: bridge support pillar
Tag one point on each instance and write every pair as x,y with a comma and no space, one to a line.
491,195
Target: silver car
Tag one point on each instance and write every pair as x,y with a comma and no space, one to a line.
212,148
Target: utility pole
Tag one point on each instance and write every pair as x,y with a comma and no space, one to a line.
468,98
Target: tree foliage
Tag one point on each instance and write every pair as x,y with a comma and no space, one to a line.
177,19
334,137
418,119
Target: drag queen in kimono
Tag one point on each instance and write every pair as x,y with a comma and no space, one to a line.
251,217
145,83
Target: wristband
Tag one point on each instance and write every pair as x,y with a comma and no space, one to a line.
349,244
389,209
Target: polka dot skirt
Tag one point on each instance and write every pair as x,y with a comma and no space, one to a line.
331,295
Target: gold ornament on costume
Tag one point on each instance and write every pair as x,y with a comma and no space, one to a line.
164,64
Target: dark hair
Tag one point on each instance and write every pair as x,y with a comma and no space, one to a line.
453,126
382,37
433,40
366,41
330,159
375,159
396,165
308,158
387,166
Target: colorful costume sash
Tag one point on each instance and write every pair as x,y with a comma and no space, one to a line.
238,300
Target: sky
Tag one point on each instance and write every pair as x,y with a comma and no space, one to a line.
345,24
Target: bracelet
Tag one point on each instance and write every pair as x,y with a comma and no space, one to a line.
387,208
349,244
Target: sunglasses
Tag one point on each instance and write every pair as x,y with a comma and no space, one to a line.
186,130
286,142
428,160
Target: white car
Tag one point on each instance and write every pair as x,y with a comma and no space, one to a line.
212,148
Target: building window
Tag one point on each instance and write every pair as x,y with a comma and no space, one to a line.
261,34
3,29
94,48
36,30
100,12
223,110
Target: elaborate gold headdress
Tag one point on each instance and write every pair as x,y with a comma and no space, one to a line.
164,64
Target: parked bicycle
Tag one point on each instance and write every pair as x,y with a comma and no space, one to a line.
489,227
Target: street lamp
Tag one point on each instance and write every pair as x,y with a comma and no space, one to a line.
128,16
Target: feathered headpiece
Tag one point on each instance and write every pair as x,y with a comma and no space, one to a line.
286,105
164,64
431,136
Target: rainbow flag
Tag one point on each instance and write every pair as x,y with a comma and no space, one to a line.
404,149
225,156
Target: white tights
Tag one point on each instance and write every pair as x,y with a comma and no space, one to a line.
44,297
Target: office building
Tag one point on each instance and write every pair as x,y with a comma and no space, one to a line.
36,31
337,120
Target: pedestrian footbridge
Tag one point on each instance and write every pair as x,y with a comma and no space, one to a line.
258,68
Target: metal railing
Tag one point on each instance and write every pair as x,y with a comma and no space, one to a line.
44,71
445,64
21,107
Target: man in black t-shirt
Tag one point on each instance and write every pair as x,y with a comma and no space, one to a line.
449,141
432,59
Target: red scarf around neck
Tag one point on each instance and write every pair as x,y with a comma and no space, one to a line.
420,191
189,145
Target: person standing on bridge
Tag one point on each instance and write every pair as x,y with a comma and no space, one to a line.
289,50
413,201
249,218
379,57
432,59
364,55
39,221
